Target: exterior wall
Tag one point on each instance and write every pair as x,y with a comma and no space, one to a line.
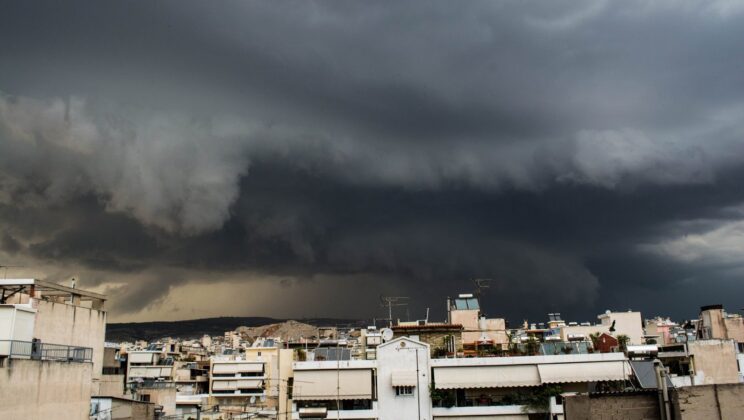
403,355
586,330
469,321
285,359
35,389
708,402
121,409
714,361
612,407
494,329
734,328
60,323
110,386
628,323
161,396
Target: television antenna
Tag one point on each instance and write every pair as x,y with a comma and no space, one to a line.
390,301
480,286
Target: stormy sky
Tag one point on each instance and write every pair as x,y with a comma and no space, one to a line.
301,158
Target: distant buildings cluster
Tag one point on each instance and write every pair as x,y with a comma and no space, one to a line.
54,363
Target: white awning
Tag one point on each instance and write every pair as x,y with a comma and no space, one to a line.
584,372
150,372
344,384
250,383
224,385
486,376
404,378
223,368
139,357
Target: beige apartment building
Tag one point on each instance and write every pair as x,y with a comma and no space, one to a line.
256,381
51,349
476,328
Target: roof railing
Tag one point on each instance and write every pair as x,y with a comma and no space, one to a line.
36,350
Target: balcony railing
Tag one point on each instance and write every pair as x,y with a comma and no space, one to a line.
36,350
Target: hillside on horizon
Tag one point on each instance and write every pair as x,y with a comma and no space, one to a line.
194,328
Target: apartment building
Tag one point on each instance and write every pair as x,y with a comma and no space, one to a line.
151,377
256,381
477,330
51,349
404,382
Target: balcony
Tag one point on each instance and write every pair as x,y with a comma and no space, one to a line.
36,350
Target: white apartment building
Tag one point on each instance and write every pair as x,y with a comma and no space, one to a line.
405,383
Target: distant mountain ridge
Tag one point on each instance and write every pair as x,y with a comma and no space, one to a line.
195,328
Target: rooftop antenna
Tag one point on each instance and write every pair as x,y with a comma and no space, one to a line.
389,302
480,286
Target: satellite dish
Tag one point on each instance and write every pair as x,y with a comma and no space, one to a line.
387,334
253,399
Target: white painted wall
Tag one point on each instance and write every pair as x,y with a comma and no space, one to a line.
399,355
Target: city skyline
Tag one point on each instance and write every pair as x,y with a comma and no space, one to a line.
294,160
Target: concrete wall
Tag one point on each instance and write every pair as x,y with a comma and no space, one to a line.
611,407
35,389
714,361
109,386
60,323
161,396
734,328
627,323
713,402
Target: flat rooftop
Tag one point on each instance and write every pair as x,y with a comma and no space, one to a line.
35,287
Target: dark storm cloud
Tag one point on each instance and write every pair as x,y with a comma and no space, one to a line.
562,149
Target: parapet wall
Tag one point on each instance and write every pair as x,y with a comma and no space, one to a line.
40,389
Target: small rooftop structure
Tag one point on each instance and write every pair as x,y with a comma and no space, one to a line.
45,290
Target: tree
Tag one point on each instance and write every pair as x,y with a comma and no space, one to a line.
622,340
595,339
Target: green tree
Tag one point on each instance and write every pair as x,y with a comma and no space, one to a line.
622,340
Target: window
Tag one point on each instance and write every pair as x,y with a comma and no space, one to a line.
403,390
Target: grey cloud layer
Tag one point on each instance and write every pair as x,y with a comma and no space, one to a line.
530,142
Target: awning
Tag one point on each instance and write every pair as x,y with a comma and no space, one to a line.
250,383
223,368
313,412
150,372
224,385
137,357
344,384
404,378
486,376
584,372
233,384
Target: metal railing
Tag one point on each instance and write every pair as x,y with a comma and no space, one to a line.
36,350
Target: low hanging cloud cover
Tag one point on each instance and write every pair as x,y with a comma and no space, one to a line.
585,151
